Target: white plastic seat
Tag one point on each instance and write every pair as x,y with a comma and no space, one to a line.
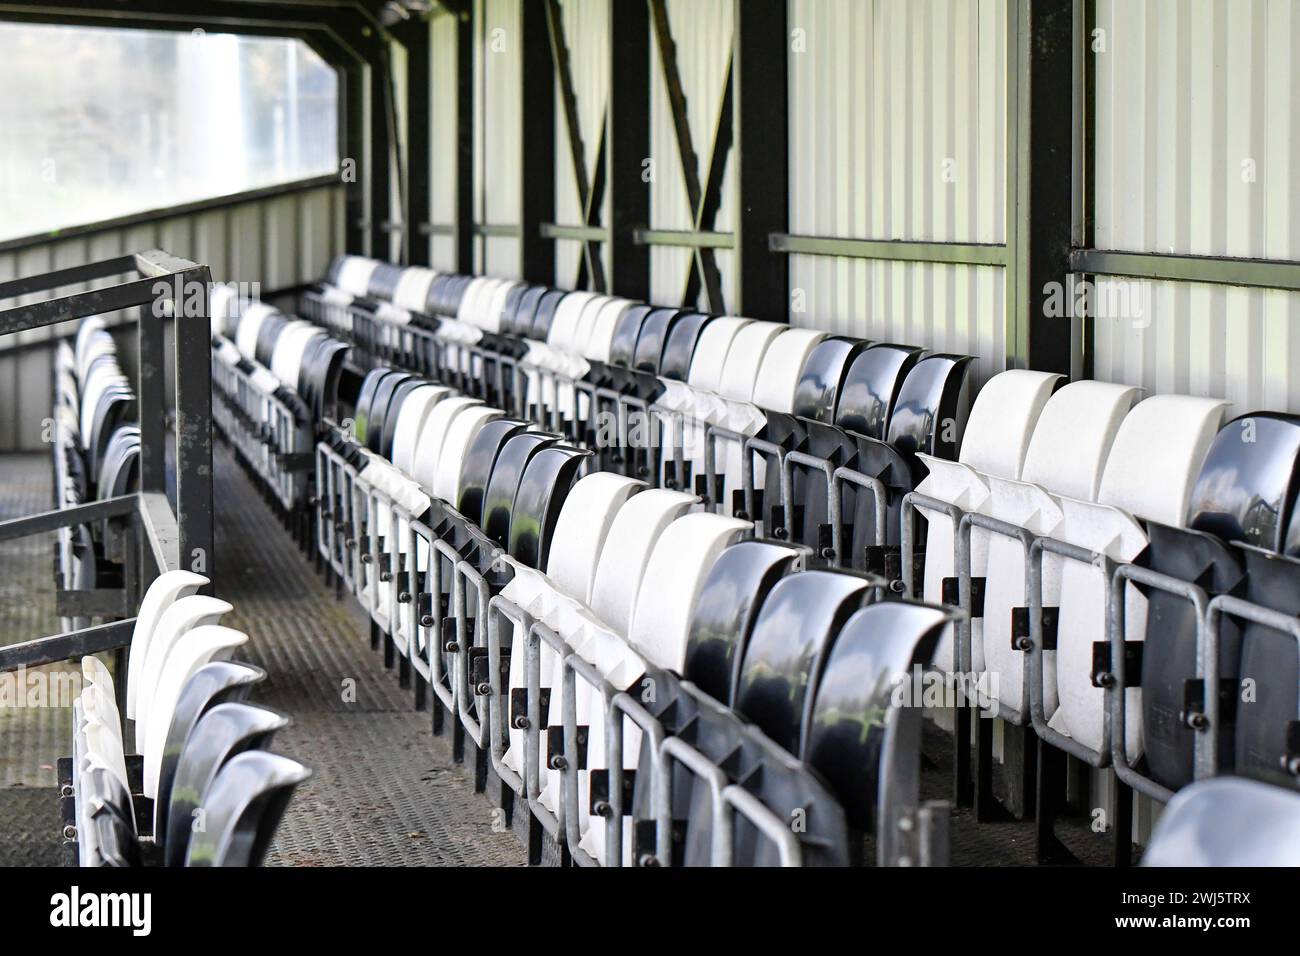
183,616
620,573
166,589
411,418
591,311
582,528
745,358
995,442
354,275
712,351
195,649
436,425
782,365
597,343
460,435
563,332
1066,455
286,360
682,558
1153,464
250,324
412,290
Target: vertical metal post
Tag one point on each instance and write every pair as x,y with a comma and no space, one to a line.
151,365
381,137
536,145
762,157
418,88
194,428
354,202
464,210
628,138
1040,219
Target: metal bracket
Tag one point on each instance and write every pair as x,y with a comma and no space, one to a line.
600,791
1020,628
555,744
950,595
1102,671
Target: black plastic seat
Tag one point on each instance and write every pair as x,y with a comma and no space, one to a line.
507,472
107,811
864,741
379,408
1267,731
795,629
1169,650
781,783
930,411
365,401
223,732
214,683
729,602
652,340
480,459
243,807
545,485
383,281
871,387
267,334
545,314
622,347
679,350
1247,486
389,429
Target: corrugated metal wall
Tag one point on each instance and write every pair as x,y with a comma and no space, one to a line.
586,32
442,140
1198,152
498,76
277,242
898,131
702,33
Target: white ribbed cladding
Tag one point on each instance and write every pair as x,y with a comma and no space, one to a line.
1198,144
898,131
498,66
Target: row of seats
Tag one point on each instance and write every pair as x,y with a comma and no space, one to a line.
96,448
617,567
840,405
182,780
1162,484
1099,414
273,378
204,791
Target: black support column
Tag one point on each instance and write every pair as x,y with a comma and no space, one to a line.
380,172
537,145
419,80
628,138
354,146
761,151
1040,237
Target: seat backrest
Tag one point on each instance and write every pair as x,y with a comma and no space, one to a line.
214,683
1246,489
650,343
782,366
1157,455
595,339
1228,821
179,617
796,626
822,379
163,592
928,414
545,485
1003,419
428,450
197,648
745,358
411,419
679,564
620,572
711,352
732,594
222,732
582,528
507,471
243,807
455,448
412,290
479,460
1073,437
864,736
679,350
871,386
